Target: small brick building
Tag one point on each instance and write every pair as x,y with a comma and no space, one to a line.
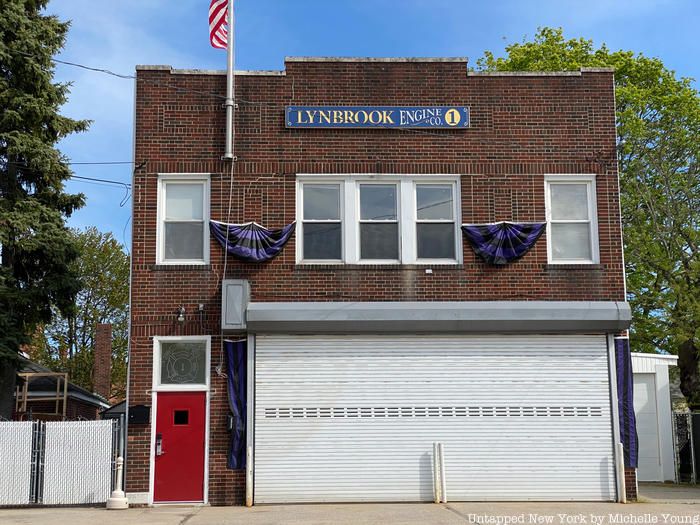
377,330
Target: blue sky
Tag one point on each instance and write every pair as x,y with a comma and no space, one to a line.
117,35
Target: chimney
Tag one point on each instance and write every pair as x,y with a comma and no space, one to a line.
102,367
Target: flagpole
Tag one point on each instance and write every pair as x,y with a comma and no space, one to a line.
228,155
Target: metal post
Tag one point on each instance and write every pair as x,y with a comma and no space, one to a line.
229,83
117,500
443,482
41,454
620,467
676,458
33,488
249,476
693,473
436,474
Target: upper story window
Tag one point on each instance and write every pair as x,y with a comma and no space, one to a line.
378,219
435,221
183,213
379,222
322,225
572,228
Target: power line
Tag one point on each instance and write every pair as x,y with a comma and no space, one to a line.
71,163
107,181
106,162
87,179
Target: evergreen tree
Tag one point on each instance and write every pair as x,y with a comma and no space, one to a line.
37,248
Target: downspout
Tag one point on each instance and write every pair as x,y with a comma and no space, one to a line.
229,104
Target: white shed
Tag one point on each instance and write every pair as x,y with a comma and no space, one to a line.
652,408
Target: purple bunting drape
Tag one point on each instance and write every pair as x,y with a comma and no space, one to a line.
503,242
236,383
625,401
250,241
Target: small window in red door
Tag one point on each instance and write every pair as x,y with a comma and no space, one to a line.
181,417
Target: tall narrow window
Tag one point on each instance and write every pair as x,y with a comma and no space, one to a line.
571,221
435,223
183,230
379,224
322,225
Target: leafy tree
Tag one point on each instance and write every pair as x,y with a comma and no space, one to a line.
37,248
658,128
67,344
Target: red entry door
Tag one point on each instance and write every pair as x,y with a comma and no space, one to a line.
179,454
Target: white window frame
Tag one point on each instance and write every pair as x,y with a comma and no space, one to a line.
157,387
406,209
300,220
182,178
589,180
456,222
157,354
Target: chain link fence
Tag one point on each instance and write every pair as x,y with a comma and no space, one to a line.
58,463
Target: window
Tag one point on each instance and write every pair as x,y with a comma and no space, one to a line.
379,223
321,222
378,219
435,224
572,230
181,363
181,417
183,215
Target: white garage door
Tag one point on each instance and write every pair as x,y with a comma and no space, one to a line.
649,466
353,418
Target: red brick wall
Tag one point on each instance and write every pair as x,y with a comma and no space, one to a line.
102,368
631,484
522,128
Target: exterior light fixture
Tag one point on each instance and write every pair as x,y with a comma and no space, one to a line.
181,314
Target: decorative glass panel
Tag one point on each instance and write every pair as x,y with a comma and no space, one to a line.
377,202
322,241
436,241
183,363
571,241
321,202
184,240
434,202
184,201
569,201
379,241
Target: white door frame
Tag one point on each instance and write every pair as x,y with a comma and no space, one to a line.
250,421
178,388
615,417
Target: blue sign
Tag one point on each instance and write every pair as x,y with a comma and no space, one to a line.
443,117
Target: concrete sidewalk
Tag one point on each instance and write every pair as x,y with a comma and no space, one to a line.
669,493
339,514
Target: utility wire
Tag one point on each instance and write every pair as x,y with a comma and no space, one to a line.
105,162
87,179
107,181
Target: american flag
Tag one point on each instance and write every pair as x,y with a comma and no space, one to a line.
218,31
